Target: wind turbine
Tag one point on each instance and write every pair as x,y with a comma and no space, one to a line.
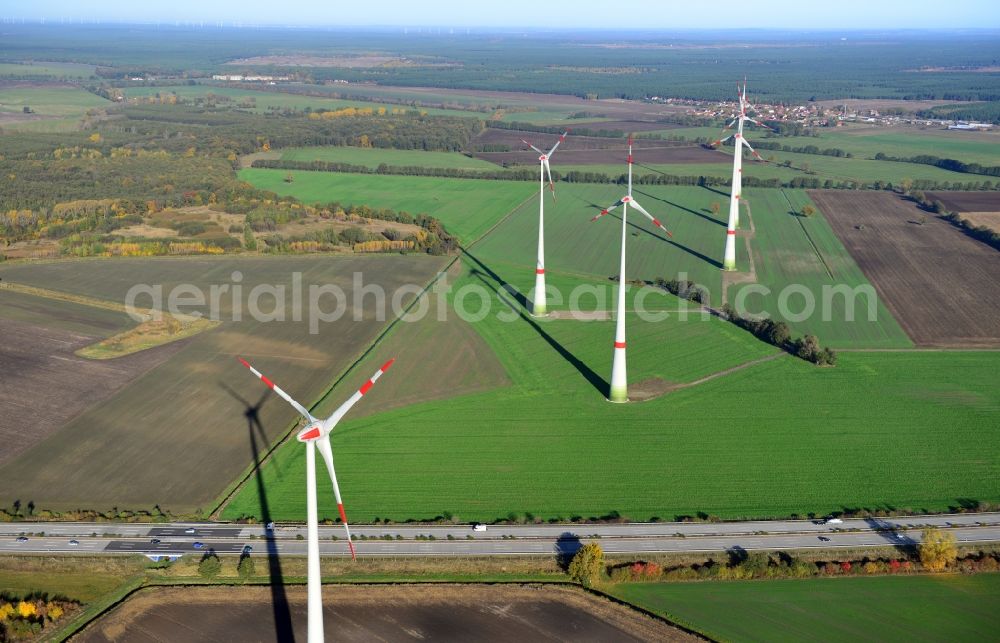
729,258
538,308
316,435
619,381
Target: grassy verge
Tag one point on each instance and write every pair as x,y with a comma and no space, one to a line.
886,608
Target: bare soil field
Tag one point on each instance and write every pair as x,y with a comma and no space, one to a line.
623,125
989,220
378,613
968,201
189,410
45,385
587,150
513,138
939,283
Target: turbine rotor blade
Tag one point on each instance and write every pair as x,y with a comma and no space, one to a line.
655,221
722,140
331,421
548,170
561,139
323,444
532,147
752,151
285,396
606,211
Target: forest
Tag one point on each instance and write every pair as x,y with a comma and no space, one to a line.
782,66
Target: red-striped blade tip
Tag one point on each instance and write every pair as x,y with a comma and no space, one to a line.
386,366
244,362
351,545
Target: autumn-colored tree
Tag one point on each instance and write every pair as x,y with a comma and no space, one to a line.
715,207
26,609
95,137
586,566
54,611
937,549
6,611
807,210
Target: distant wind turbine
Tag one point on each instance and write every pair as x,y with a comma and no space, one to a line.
619,381
315,435
538,307
729,257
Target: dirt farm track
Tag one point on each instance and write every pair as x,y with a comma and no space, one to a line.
940,284
377,613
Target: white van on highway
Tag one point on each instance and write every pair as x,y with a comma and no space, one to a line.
834,521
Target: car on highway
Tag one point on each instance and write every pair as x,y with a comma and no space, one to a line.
834,521
247,549
22,539
74,543
154,541
198,545
479,527
190,530
824,539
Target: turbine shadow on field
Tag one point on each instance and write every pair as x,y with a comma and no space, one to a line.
279,601
679,246
567,545
485,274
686,209
719,192
900,540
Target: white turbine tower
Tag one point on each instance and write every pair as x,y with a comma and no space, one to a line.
619,380
316,435
729,258
538,308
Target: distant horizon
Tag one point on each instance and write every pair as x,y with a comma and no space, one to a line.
554,15
435,29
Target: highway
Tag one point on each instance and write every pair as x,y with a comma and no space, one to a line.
498,540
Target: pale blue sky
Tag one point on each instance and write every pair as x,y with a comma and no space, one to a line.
639,14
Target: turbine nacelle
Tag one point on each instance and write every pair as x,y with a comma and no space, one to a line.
310,433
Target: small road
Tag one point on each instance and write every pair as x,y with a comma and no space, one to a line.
497,540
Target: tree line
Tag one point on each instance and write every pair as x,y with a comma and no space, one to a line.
945,164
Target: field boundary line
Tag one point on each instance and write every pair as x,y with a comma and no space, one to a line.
730,370
228,495
809,237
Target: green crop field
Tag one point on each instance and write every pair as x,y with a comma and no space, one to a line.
467,207
265,100
60,107
46,69
866,142
575,244
373,157
814,166
886,608
776,438
786,250
177,435
800,259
